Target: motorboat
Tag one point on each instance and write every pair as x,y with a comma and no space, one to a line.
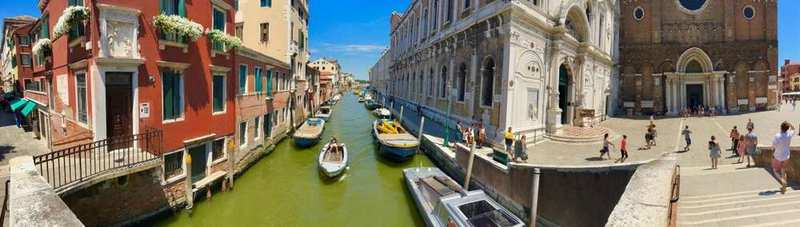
332,162
443,203
324,112
309,133
382,113
394,141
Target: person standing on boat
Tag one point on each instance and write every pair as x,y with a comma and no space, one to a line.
334,147
509,139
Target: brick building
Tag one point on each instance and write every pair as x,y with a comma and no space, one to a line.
790,76
715,53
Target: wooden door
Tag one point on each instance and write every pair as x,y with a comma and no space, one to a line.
119,102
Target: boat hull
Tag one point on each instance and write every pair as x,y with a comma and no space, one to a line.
333,169
397,153
305,142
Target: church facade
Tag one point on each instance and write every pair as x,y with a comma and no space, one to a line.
680,54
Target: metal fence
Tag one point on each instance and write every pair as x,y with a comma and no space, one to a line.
80,163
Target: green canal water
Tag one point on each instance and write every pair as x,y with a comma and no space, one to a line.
286,189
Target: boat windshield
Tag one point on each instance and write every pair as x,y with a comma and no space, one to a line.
313,122
482,214
325,110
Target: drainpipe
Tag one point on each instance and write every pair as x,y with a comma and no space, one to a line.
534,195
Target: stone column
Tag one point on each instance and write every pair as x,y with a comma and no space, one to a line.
722,103
668,95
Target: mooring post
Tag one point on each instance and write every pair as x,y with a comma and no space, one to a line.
189,193
534,195
469,164
401,113
419,133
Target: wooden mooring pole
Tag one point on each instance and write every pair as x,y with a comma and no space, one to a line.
188,181
469,164
534,195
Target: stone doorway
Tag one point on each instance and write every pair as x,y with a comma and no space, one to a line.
694,95
563,93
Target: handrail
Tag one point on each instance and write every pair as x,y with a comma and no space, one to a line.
676,185
5,204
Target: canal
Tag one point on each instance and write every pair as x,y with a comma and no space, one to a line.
286,189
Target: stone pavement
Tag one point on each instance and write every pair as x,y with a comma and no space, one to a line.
14,142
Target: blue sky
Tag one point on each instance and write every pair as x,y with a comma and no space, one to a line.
357,31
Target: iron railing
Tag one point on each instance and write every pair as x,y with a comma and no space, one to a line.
83,162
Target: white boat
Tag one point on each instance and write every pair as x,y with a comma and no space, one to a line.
309,133
382,113
324,112
367,97
331,163
336,98
442,202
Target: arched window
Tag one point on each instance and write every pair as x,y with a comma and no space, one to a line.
432,83
443,84
462,80
487,83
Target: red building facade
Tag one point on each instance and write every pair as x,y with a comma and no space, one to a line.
790,77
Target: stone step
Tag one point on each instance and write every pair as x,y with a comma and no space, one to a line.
750,201
793,222
741,209
750,217
733,197
570,139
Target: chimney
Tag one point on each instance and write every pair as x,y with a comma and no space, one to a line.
786,62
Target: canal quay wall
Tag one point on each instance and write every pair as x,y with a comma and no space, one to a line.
31,199
764,160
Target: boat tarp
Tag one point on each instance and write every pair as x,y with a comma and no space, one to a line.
18,103
28,108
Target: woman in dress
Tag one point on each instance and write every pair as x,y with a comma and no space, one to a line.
714,152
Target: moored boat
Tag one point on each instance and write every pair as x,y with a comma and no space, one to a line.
442,202
371,104
332,162
394,141
324,112
309,133
382,113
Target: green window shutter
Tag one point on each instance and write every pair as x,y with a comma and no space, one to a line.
163,6
176,96
259,88
219,88
182,8
242,79
269,82
168,92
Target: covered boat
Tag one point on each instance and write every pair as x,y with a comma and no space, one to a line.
371,104
393,140
442,202
382,113
309,133
324,112
333,162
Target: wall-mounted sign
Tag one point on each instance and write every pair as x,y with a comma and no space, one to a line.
144,110
761,100
743,102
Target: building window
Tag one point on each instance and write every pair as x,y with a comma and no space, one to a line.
256,131
449,10
218,150
173,165
467,4
24,40
692,5
749,12
302,41
80,94
25,59
443,84
243,133
435,19
264,32
462,80
269,82
172,84
242,79
173,7
266,3
487,83
240,31
218,22
257,78
219,93
638,13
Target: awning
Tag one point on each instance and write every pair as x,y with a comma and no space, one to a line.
28,108
18,104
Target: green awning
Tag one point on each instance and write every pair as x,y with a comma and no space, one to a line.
18,103
28,109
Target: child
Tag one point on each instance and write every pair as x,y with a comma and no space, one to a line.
714,152
740,148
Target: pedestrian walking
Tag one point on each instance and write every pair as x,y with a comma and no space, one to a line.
714,152
623,149
794,106
750,124
520,149
751,140
740,147
606,147
687,135
780,158
734,135
509,139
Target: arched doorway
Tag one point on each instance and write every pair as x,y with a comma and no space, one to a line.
563,93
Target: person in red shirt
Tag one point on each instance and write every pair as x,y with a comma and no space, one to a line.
623,149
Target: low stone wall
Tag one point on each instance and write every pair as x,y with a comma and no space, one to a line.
647,198
765,160
568,196
32,201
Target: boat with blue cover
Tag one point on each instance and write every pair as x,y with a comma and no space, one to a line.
309,133
394,141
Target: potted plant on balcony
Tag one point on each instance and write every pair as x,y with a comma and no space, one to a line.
72,15
41,45
178,25
222,41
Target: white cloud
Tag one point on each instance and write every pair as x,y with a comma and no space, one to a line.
350,48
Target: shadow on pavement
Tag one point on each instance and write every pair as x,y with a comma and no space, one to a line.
5,149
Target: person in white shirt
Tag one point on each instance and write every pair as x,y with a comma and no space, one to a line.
780,158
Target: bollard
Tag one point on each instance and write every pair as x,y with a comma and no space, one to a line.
401,114
534,195
469,165
189,193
